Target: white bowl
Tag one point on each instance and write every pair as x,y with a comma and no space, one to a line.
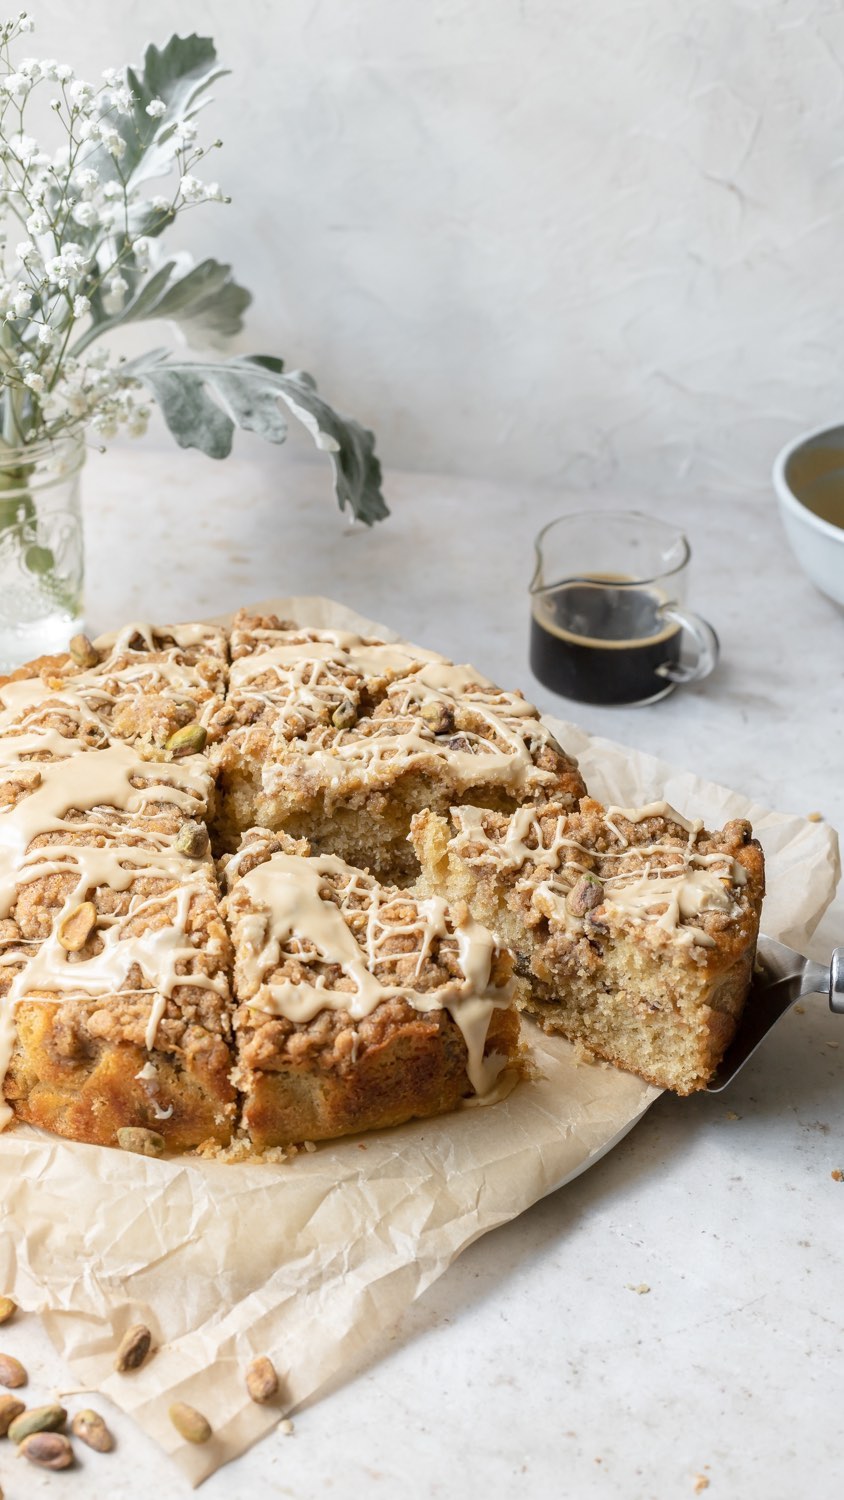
810,461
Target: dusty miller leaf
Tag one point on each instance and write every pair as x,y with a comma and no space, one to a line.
203,401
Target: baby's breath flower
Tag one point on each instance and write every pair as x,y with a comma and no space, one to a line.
22,147
81,306
64,73
48,66
25,22
46,335
38,222
192,189
110,75
87,181
156,108
26,251
113,190
16,84
85,214
30,67
114,292
113,141
35,382
21,301
105,423
160,203
214,193
185,133
122,100
81,92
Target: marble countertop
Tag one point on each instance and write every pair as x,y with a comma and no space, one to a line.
533,1366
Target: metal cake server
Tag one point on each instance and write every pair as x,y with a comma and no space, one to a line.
781,978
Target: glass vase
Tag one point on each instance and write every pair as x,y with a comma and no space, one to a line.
41,552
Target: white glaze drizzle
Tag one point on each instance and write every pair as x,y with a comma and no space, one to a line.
290,904
312,676
643,890
88,697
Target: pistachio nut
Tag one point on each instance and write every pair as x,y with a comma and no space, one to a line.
83,652
7,1309
192,839
438,716
50,1450
261,1380
91,1429
37,1419
190,1423
461,743
133,1348
12,1372
586,893
10,1407
189,740
140,1140
75,929
344,715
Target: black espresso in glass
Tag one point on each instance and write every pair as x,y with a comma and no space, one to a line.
603,644
608,610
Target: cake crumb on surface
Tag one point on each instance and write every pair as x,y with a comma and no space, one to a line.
286,1426
701,1483
639,1289
731,1115
814,817
837,1175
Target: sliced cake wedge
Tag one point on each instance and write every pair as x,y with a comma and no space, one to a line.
635,928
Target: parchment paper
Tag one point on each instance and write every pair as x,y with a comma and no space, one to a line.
310,1261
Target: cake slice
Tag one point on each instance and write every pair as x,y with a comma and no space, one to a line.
340,739
141,684
634,927
359,1005
114,960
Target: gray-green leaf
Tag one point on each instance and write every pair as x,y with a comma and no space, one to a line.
202,402
181,74
206,302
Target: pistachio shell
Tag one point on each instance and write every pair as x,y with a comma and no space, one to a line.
261,1380
10,1407
140,1140
12,1372
133,1348
75,929
438,716
188,740
344,715
37,1419
190,1423
192,839
83,652
50,1450
89,1426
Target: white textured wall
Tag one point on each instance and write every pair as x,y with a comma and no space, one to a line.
560,240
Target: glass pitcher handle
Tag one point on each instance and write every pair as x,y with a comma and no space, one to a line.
705,640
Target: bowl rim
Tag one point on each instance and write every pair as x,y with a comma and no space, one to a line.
785,494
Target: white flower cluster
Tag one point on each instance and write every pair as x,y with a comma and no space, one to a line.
83,234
